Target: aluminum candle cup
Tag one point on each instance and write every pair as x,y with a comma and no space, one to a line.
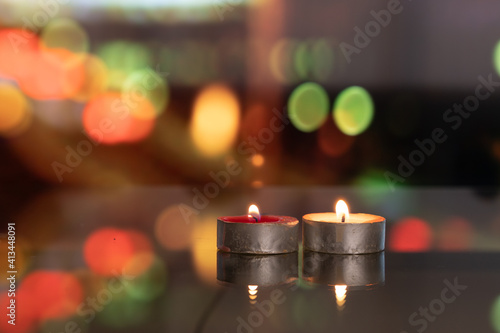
343,233
247,269
363,271
363,233
269,235
256,234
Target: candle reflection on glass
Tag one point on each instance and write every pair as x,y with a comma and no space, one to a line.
340,295
252,293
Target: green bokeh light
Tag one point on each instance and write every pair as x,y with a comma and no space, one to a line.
353,110
495,314
301,60
124,311
308,106
65,33
322,60
496,57
150,284
146,83
123,58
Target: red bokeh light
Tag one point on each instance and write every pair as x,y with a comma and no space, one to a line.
410,234
43,295
332,141
108,119
111,251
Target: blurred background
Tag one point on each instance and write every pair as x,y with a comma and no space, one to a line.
142,121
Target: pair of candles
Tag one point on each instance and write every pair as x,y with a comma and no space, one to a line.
339,232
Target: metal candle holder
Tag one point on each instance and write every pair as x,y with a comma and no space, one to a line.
344,237
259,237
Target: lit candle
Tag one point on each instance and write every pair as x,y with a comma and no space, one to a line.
253,233
342,232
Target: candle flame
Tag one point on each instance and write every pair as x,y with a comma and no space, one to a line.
253,212
252,293
341,209
340,295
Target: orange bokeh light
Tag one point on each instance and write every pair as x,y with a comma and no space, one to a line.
54,74
108,119
111,252
18,48
410,234
455,234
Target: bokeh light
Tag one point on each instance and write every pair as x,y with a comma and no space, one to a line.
25,312
18,50
495,314
204,249
150,284
111,251
145,84
410,234
321,60
353,110
53,294
65,33
308,106
95,79
258,160
173,229
15,112
455,234
215,121
54,74
332,141
108,119
496,57
124,311
123,58
282,62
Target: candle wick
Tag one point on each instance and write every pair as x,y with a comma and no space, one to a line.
256,220
343,218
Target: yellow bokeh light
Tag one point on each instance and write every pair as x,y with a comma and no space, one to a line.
15,113
215,120
204,249
95,81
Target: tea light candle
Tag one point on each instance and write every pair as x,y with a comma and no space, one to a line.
253,233
343,233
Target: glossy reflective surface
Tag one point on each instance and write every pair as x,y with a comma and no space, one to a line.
145,259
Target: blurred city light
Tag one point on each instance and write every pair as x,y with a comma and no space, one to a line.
353,110
308,106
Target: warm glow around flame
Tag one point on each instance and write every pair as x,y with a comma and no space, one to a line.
253,211
341,209
340,295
